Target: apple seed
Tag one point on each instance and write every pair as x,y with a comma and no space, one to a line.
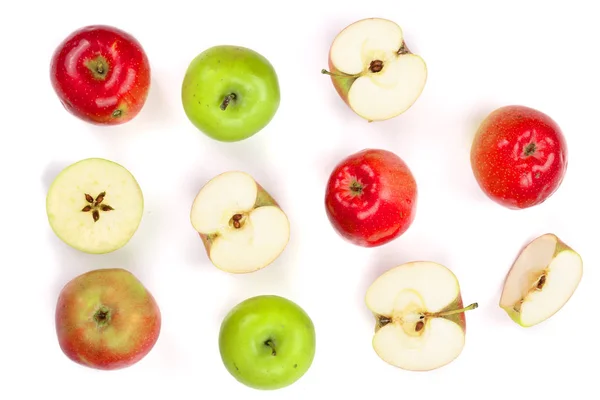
376,66
235,221
95,205
541,282
419,326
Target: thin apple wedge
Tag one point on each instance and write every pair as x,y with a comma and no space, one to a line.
541,281
373,70
420,318
242,227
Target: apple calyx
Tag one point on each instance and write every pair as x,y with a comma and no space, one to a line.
102,316
96,205
228,99
99,67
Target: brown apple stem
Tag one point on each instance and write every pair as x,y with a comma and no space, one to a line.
452,312
228,99
272,346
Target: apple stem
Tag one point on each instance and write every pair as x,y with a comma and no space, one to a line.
452,312
325,72
228,99
272,346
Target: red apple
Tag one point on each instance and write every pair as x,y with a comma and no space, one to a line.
371,197
106,319
101,75
519,156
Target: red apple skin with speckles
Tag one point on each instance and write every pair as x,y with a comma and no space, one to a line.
371,197
106,319
519,156
101,75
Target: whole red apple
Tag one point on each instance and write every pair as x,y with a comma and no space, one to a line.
106,319
519,156
371,197
101,74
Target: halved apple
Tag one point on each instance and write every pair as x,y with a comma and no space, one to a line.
95,205
420,321
542,279
373,70
242,227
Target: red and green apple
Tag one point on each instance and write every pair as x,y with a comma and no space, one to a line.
106,319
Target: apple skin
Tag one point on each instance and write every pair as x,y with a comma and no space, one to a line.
245,331
387,205
112,97
223,70
263,198
132,327
503,170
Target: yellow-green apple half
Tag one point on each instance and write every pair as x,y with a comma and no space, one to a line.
373,70
420,318
106,319
242,227
542,279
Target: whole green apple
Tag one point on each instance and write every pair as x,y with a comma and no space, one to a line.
267,342
230,92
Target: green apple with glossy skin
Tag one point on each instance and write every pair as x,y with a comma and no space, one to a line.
95,205
541,281
267,342
230,92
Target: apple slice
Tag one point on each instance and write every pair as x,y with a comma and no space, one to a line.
373,70
242,227
95,205
420,321
542,279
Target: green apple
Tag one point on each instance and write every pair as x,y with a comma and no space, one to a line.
230,92
541,281
95,205
267,342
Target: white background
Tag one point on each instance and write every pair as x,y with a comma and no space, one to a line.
480,55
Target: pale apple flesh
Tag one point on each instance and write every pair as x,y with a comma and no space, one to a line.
373,70
242,227
95,205
420,322
541,281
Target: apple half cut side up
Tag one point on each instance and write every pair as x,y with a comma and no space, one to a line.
541,281
420,318
373,70
95,206
243,229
